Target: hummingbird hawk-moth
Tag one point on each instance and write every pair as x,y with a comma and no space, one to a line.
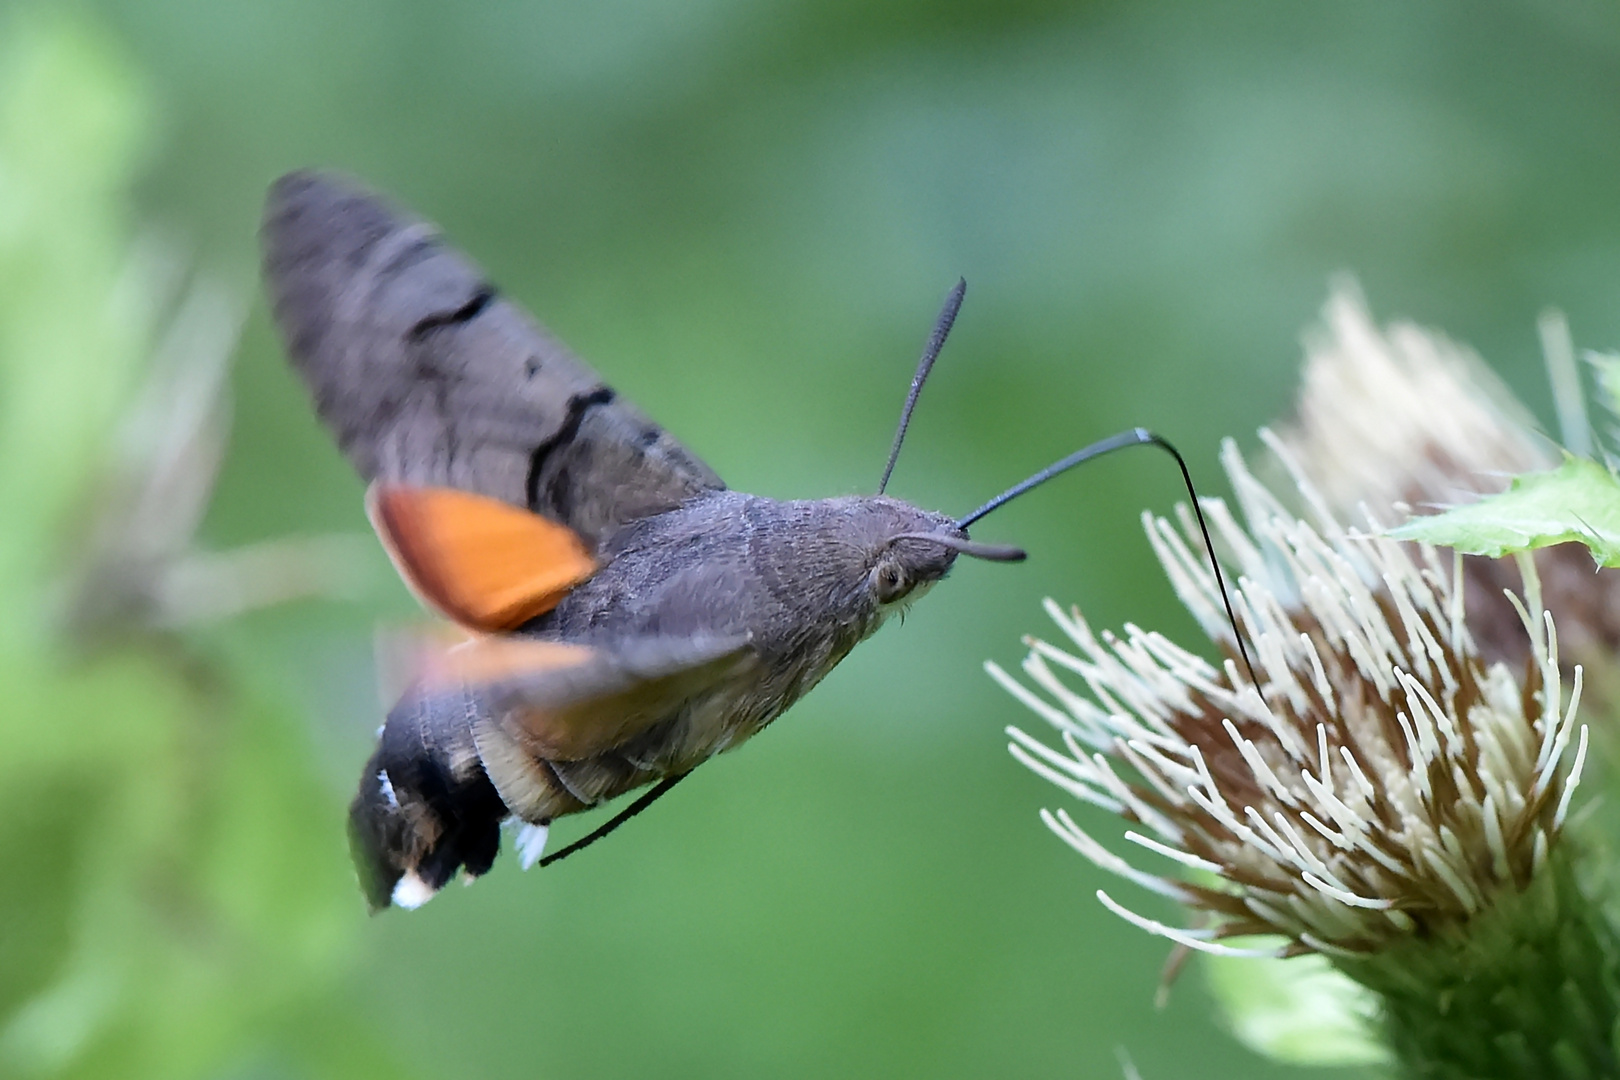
627,616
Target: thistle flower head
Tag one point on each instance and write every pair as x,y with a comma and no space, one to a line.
1400,415
1379,781
1400,419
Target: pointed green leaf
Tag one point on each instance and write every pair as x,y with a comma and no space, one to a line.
1577,502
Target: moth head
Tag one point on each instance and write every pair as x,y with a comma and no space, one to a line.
914,548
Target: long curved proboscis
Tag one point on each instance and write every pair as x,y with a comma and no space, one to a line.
1133,437
961,545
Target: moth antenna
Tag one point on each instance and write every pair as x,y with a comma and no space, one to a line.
657,792
1133,437
936,342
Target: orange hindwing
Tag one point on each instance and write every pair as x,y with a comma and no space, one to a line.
481,562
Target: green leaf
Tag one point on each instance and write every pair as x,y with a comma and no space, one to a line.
1300,1011
1577,502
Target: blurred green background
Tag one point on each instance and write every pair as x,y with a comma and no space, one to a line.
744,213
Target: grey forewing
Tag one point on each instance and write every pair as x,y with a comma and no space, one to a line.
427,376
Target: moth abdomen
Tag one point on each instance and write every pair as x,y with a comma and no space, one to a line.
425,807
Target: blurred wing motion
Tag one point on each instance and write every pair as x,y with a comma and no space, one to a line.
499,464
519,725
564,711
480,562
428,378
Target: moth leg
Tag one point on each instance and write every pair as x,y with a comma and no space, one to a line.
647,799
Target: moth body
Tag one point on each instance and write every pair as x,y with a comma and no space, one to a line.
803,582
800,582
630,616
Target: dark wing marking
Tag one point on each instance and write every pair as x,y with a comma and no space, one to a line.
428,377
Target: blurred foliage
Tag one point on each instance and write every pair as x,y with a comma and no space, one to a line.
176,899
745,213
71,121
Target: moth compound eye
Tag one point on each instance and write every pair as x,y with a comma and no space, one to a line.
890,583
